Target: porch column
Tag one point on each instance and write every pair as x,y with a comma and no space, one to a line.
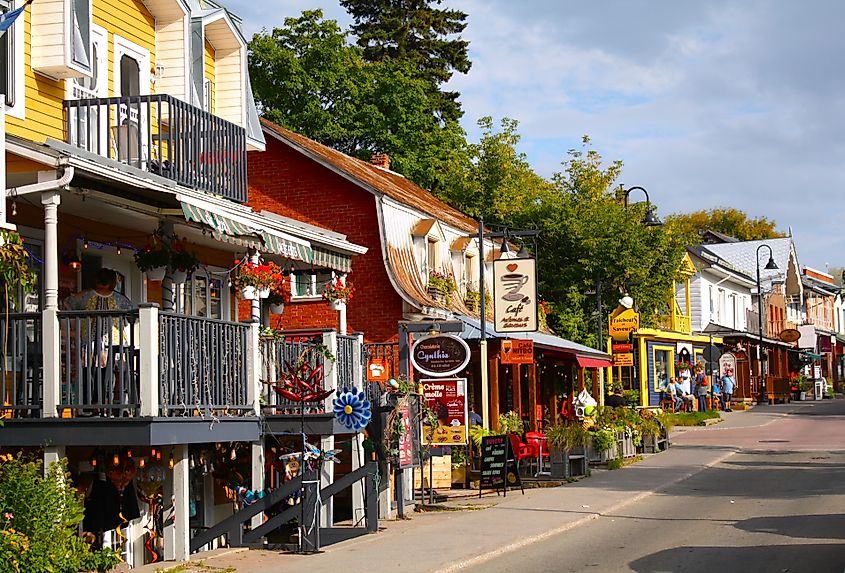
254,365
257,473
359,457
494,392
532,398
51,342
52,455
255,303
341,317
167,294
516,388
149,353
327,442
177,533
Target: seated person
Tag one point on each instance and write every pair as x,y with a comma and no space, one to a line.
671,388
616,400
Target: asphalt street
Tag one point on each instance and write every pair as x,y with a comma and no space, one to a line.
762,491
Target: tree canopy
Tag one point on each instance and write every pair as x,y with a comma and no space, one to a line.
726,220
416,32
308,78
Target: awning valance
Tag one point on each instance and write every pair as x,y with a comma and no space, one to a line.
266,240
585,362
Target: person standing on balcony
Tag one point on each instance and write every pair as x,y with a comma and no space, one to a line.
100,341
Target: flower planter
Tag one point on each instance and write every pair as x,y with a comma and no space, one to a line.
248,293
653,443
338,304
179,276
156,273
625,444
437,294
568,463
601,457
277,308
264,292
802,396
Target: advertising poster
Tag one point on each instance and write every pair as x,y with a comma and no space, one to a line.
446,397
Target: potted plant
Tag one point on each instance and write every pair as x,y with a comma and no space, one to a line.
603,444
258,280
154,259
338,292
563,439
182,262
799,385
511,423
441,285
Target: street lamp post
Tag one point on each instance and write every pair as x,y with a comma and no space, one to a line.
770,266
650,219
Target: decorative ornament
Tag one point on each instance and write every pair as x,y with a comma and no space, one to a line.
302,382
352,409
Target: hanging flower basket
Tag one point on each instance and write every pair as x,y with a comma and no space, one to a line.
179,276
264,292
157,273
263,277
338,292
277,308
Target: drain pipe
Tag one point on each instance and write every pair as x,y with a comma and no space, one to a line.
42,186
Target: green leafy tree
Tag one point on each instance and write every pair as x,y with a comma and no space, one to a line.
587,233
726,220
417,32
308,78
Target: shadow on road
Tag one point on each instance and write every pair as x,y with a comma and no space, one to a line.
818,558
827,526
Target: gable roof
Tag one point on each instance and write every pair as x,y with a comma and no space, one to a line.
371,178
742,255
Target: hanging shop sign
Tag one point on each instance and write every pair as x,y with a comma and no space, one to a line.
625,347
515,295
623,359
440,356
824,343
517,352
622,322
446,398
377,370
790,334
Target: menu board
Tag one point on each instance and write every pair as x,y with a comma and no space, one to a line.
498,466
446,398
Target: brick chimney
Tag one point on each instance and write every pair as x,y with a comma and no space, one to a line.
381,160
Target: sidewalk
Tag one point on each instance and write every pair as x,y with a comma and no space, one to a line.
447,540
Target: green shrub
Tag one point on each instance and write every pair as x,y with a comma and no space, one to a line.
603,439
565,436
691,418
43,514
511,423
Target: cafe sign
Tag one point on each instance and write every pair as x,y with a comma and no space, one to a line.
517,352
622,323
440,356
515,295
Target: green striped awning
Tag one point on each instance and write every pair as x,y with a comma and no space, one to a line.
236,233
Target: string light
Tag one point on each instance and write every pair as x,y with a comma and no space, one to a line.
116,460
171,462
14,208
85,244
142,462
153,453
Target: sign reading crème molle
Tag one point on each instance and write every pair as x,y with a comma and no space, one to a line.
441,355
515,295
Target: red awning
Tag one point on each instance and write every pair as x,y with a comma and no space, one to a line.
593,362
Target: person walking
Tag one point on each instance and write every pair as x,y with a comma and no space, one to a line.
728,385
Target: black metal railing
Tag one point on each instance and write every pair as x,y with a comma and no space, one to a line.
346,362
203,366
21,365
163,135
279,356
386,354
99,374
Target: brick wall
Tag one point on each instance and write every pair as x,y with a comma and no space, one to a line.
284,181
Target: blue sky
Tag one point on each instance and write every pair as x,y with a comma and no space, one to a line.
708,104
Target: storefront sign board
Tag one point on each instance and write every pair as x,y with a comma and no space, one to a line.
446,397
515,295
442,355
623,359
498,465
622,323
517,352
377,370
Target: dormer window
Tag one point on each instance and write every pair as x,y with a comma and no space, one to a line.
428,240
432,254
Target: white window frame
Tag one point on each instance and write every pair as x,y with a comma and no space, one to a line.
124,47
315,285
207,88
214,273
471,271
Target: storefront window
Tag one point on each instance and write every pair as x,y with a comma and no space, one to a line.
662,362
203,295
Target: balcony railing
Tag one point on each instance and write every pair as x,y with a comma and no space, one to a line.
163,135
203,365
280,355
127,364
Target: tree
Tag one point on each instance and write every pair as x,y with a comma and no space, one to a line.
726,220
307,77
415,31
587,233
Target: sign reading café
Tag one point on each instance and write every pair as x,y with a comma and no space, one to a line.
515,295
440,356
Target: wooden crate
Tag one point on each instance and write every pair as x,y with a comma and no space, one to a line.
441,473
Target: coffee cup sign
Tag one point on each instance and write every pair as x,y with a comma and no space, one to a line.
515,295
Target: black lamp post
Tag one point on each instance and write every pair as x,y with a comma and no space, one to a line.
650,219
770,266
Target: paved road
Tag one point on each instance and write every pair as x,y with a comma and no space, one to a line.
774,506
762,491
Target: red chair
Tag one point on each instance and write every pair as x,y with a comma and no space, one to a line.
521,451
537,441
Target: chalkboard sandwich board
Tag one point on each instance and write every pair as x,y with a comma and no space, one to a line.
498,465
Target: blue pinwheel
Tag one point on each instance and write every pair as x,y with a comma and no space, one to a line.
352,409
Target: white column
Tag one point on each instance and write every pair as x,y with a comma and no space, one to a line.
52,455
257,457
149,355
329,367
358,461
3,222
359,373
177,535
327,442
342,319
51,341
254,365
326,479
255,304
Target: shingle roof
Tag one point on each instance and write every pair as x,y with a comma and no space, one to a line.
742,255
373,178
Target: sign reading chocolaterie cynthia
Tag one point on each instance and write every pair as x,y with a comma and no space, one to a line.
441,355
